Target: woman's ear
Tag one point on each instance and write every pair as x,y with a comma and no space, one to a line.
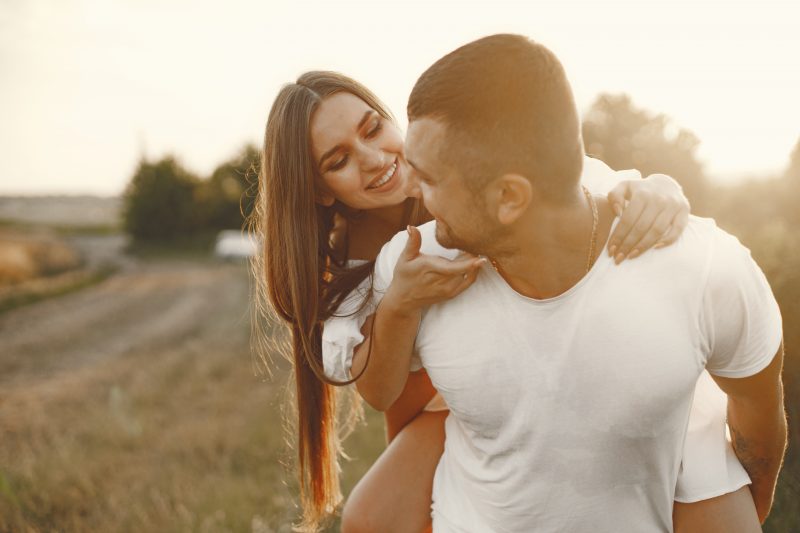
324,199
322,194
512,194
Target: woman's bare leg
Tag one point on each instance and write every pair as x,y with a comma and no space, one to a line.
730,513
395,494
415,396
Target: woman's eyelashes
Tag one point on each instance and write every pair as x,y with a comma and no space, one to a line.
372,132
375,129
339,164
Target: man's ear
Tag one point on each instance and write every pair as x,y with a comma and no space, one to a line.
510,196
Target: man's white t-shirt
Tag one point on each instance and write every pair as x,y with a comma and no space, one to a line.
342,332
569,414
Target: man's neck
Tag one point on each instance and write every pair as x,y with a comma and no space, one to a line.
551,248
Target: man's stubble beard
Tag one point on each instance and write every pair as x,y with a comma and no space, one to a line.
484,237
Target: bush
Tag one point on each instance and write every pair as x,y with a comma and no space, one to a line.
226,198
158,203
625,136
164,202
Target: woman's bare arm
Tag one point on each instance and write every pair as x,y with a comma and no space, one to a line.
419,281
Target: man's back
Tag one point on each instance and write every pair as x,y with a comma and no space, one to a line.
569,413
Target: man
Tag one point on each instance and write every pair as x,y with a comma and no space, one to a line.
569,382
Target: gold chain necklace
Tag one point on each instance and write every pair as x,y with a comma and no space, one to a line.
592,240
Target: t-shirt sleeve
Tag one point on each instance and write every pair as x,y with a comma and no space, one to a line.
341,333
386,261
740,319
599,178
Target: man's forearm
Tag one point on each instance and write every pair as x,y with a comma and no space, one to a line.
759,440
387,364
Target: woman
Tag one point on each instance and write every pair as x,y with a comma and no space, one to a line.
331,194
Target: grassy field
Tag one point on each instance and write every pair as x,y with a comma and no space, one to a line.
133,406
128,396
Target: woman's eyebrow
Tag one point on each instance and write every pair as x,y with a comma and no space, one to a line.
367,114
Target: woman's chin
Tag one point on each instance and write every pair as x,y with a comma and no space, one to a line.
390,199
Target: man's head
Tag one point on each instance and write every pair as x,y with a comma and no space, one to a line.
493,128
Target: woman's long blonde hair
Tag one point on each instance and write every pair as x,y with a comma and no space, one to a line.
302,277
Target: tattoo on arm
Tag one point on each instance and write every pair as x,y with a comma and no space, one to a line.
755,465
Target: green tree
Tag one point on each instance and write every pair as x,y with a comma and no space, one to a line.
625,136
226,198
158,203
763,214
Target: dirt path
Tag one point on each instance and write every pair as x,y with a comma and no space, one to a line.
132,405
139,311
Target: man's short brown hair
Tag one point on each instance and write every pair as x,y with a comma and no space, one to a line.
508,108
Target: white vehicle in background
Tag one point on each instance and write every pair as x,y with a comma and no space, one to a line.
235,245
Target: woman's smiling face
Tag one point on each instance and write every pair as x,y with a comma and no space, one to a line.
358,152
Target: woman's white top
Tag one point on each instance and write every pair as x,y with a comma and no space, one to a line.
709,467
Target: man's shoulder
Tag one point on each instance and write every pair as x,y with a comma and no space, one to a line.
700,237
704,251
703,235
688,261
702,227
391,251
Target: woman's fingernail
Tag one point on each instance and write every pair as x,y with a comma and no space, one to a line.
619,258
617,209
612,249
659,245
634,254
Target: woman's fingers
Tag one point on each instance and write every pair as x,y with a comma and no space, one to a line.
413,244
654,234
454,267
675,230
660,223
627,222
459,283
657,190
629,247
618,196
425,280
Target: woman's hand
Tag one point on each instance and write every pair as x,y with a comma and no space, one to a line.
653,212
419,281
422,280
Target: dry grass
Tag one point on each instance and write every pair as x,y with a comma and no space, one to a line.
175,434
35,263
26,256
132,406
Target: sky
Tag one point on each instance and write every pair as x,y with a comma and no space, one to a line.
88,87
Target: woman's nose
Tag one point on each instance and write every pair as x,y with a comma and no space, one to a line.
373,159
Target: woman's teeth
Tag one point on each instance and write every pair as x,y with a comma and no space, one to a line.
385,178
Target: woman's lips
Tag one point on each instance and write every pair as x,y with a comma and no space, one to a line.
386,180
